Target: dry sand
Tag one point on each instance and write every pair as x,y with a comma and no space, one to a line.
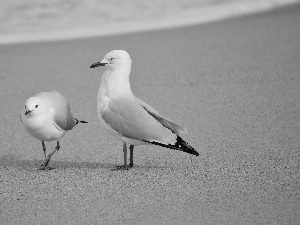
235,86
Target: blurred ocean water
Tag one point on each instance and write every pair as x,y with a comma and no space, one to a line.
38,20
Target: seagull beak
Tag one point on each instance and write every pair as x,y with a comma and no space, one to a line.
28,112
97,64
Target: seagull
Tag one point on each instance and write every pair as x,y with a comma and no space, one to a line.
128,118
47,116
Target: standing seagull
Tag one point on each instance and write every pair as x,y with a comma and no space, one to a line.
47,116
128,118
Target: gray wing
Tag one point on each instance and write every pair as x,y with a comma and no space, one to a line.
133,121
62,116
177,129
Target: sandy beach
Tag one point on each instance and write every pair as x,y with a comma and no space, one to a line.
234,84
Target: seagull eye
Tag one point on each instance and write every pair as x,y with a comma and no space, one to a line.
36,106
112,58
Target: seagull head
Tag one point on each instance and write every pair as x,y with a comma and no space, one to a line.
33,106
114,60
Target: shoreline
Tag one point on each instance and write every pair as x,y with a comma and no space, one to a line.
190,17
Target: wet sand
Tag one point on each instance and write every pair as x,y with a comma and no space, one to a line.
233,84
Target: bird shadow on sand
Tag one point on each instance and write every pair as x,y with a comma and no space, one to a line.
14,161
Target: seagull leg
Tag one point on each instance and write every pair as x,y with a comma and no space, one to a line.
44,149
131,155
124,167
125,156
45,165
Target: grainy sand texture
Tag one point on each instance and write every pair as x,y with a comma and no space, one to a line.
234,84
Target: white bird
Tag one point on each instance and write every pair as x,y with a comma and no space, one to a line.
128,118
47,116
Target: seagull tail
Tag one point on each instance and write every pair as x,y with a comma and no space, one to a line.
180,145
79,121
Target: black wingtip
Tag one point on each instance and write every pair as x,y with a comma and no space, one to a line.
180,145
79,121
185,147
